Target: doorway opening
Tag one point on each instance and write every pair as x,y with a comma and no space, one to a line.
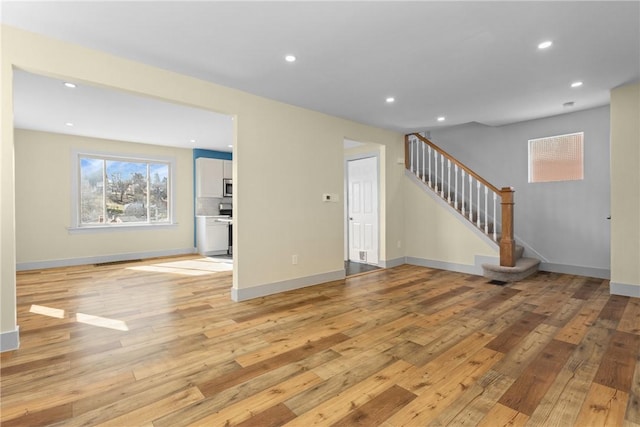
362,228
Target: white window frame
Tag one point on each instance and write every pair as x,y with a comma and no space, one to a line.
530,162
77,227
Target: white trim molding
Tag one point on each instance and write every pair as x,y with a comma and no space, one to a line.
624,289
392,262
37,265
10,340
285,285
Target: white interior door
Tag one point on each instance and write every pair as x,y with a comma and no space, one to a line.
362,210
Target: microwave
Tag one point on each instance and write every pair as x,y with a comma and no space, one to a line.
227,187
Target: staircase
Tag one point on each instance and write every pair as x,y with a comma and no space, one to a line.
474,199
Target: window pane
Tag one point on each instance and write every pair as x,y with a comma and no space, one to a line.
127,191
159,174
557,158
119,191
91,191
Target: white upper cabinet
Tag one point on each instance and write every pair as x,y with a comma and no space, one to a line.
209,175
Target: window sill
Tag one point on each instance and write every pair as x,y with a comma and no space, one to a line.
89,229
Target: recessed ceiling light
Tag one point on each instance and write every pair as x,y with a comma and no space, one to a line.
192,140
576,84
390,99
545,44
441,119
569,104
290,58
230,146
69,85
69,124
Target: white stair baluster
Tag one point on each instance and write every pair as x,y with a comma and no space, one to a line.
463,201
495,216
470,198
486,210
478,204
455,186
424,166
441,176
435,177
448,180
429,157
416,171
411,154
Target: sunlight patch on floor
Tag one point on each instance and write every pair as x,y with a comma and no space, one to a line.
103,322
47,311
192,267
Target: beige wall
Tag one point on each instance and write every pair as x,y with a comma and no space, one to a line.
284,159
625,190
433,233
43,203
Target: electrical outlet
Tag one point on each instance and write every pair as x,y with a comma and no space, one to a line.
399,244
294,259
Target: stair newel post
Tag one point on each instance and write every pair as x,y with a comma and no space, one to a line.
507,244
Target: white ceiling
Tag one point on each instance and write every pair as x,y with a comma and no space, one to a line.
469,61
43,103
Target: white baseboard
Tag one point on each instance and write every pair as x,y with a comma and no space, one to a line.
10,340
578,270
624,289
285,285
37,265
392,262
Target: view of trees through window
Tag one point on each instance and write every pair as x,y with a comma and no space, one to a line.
116,191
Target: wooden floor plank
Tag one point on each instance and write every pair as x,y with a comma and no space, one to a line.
408,345
562,402
378,409
630,320
516,332
528,390
501,415
604,406
619,361
339,406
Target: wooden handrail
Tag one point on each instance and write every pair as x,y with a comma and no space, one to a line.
454,160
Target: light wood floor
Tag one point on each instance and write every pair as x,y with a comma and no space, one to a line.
159,343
